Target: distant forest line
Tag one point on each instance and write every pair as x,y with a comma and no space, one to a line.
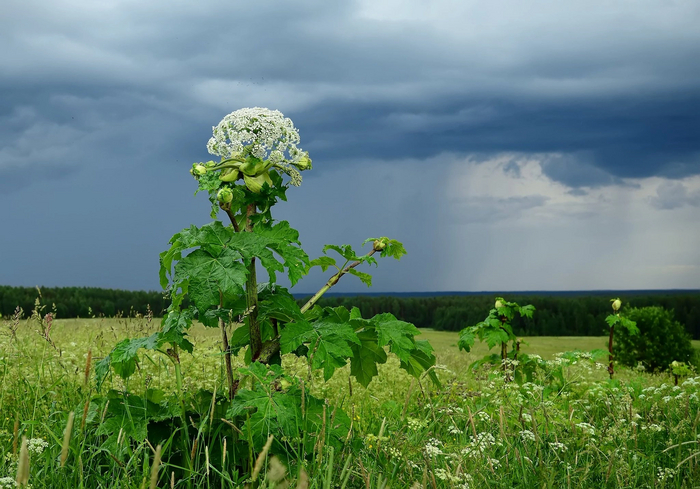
557,313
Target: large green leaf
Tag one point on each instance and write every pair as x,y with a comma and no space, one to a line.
284,240
494,336
293,335
365,357
124,356
419,361
332,345
466,339
174,329
187,238
209,275
397,334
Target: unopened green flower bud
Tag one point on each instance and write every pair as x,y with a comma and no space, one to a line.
379,244
616,304
198,170
225,195
303,163
499,304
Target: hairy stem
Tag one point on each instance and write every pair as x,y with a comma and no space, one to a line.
251,289
611,371
224,337
227,209
227,351
331,282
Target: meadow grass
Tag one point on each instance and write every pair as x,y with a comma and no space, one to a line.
569,427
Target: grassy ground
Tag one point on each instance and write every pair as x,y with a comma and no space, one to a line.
569,427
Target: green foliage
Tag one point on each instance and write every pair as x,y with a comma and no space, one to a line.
496,328
214,268
661,340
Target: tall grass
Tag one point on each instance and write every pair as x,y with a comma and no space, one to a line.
576,429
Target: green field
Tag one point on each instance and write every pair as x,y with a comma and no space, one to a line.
569,427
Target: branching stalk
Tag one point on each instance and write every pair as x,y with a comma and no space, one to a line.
331,282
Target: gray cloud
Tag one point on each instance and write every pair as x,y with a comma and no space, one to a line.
493,209
672,195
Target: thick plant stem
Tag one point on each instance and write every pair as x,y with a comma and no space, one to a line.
227,351
611,371
251,290
331,282
232,387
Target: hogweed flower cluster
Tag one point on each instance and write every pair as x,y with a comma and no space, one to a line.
250,142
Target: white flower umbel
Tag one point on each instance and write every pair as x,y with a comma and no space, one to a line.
264,134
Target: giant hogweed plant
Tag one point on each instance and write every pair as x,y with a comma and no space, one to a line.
215,266
496,330
613,320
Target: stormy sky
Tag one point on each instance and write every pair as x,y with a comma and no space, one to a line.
510,145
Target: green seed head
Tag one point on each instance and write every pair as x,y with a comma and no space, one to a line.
499,304
616,304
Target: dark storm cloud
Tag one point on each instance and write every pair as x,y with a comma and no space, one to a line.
392,90
104,105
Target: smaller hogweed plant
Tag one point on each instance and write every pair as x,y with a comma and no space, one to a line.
616,320
495,330
216,268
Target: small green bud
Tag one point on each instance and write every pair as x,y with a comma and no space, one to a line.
198,170
225,195
499,304
379,244
616,304
303,163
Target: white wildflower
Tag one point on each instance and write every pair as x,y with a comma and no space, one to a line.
432,447
557,446
36,445
527,435
586,428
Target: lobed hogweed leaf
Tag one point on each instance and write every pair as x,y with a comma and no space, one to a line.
208,275
398,335
345,251
284,240
365,357
466,339
366,278
494,337
325,262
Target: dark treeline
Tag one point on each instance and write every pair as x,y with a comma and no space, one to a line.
557,314
72,302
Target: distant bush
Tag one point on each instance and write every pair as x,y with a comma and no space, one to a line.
661,340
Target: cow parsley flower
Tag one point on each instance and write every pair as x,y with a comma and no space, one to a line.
36,445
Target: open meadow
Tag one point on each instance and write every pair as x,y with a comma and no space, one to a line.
567,425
